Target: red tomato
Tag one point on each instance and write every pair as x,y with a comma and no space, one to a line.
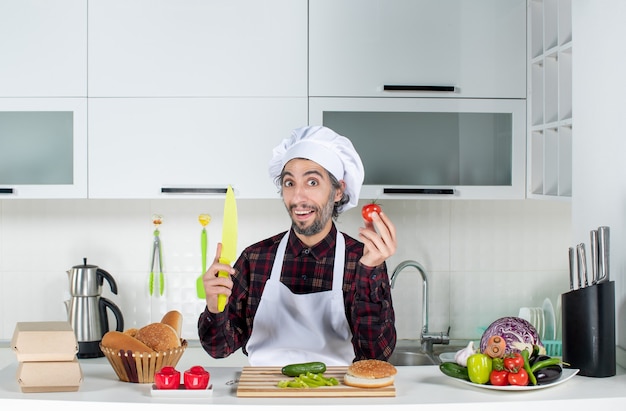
518,378
168,378
368,209
499,377
514,363
196,378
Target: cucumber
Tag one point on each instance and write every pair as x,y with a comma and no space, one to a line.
455,370
294,370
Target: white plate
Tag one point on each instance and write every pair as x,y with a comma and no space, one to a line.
181,392
447,356
566,375
550,319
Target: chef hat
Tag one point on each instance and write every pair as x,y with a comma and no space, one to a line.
330,150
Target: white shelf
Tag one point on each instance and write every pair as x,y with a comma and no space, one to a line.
550,99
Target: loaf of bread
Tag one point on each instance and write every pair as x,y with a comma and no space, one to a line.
117,340
175,320
158,336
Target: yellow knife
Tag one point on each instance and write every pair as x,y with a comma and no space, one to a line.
229,239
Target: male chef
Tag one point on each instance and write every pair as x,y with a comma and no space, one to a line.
311,293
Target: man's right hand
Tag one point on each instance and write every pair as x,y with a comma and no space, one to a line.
215,285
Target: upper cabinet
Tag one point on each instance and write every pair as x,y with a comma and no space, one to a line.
43,104
43,148
187,147
197,48
550,99
43,45
417,48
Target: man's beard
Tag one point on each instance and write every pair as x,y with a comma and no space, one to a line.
322,217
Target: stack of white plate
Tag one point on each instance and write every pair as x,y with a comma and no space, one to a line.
534,315
542,318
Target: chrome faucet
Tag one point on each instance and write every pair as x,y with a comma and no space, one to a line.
427,339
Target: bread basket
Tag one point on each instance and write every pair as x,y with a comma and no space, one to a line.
139,367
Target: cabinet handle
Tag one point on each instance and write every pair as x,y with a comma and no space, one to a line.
437,191
389,87
6,191
193,190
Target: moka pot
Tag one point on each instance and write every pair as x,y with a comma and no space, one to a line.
87,310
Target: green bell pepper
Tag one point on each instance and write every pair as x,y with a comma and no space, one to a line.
479,368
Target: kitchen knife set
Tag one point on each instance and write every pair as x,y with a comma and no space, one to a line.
579,275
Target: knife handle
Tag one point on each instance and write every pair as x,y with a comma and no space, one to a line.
603,254
221,298
572,267
594,256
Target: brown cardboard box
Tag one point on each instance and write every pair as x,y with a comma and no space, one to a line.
44,341
49,376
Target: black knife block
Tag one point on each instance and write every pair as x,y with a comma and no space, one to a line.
588,321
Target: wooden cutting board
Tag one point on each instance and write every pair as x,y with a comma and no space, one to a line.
263,382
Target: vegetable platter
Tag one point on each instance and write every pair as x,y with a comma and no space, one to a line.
510,357
567,374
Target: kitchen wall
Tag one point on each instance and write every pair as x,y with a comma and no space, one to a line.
599,100
484,259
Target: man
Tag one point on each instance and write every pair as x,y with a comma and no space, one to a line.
311,293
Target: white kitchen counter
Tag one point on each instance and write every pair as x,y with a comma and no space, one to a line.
424,385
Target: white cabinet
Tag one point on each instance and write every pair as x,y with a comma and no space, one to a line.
433,148
182,147
357,47
43,148
43,48
550,99
197,48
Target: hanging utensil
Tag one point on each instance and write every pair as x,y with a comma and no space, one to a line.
204,220
157,257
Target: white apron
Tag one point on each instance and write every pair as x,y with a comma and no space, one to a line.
293,328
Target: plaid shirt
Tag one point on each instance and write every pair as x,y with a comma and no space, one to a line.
366,290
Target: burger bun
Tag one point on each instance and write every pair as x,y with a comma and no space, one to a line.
370,374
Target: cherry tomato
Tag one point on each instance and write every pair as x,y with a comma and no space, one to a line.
167,378
518,378
499,377
514,362
196,378
368,209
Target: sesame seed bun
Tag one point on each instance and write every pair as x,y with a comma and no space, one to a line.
370,374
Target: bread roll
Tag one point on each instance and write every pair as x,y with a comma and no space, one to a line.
158,336
175,320
370,374
131,331
117,340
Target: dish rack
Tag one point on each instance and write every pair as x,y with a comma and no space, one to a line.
553,348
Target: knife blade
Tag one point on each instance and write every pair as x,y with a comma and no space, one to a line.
229,239
603,254
594,256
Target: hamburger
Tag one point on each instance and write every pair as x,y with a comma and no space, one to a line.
370,374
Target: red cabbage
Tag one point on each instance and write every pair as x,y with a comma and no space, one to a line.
513,330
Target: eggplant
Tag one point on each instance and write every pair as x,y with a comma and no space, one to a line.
548,374
537,358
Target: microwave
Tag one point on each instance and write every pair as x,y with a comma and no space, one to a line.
425,148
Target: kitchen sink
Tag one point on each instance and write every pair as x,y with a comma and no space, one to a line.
410,353
401,358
